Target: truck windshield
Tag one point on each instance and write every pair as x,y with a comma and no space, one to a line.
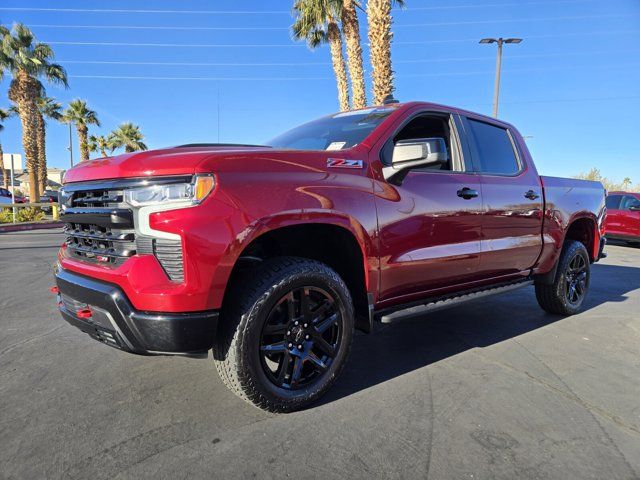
333,132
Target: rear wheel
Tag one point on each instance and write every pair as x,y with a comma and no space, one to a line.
566,294
285,334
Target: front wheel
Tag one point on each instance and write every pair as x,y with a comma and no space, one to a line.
566,294
285,334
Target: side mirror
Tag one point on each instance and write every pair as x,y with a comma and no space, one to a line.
635,207
420,152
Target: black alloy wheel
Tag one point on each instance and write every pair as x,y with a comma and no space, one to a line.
300,337
576,279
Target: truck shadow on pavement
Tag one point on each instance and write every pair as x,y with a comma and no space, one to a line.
393,350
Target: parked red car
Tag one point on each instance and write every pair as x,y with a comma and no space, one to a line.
623,217
272,255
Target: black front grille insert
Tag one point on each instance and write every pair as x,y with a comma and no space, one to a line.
99,226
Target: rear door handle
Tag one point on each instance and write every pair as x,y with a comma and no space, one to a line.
467,193
531,195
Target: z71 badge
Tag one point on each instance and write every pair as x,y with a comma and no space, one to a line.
343,163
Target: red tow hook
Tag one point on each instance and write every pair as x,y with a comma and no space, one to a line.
54,289
84,313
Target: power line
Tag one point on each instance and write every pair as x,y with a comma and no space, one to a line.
398,25
299,45
298,64
192,45
417,75
551,35
277,12
509,20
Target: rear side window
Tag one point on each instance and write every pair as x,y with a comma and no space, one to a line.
495,151
613,201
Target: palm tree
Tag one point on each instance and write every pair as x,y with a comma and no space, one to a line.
128,135
4,114
380,36
351,29
317,22
48,108
27,61
82,116
102,144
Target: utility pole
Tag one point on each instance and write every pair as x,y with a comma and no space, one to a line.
496,89
13,190
70,147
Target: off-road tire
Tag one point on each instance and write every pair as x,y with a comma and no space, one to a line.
553,298
251,298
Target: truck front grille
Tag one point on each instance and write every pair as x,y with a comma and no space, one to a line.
99,227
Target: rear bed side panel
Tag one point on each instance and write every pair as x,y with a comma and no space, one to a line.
567,200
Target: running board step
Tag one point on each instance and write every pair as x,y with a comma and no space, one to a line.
395,314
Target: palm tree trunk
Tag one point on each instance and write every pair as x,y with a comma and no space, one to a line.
103,152
42,154
83,133
339,67
379,15
23,91
351,29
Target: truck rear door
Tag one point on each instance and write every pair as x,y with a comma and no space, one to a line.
512,196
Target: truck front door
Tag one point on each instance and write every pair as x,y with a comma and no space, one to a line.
429,223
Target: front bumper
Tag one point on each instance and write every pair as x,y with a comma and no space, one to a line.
103,311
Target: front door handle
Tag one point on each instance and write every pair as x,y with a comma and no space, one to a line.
531,195
467,193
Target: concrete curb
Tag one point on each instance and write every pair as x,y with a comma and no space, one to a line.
20,227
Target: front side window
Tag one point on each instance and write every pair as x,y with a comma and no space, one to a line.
495,151
613,202
334,132
628,201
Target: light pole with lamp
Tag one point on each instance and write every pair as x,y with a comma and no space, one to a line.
500,41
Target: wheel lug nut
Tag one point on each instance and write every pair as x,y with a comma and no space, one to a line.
306,337
288,332
305,325
296,322
290,345
299,347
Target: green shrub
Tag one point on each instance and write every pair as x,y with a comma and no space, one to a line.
28,214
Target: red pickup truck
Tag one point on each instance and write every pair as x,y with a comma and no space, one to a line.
272,255
623,217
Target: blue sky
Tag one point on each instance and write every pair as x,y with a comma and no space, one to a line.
572,85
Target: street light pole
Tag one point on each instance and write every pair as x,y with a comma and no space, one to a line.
496,88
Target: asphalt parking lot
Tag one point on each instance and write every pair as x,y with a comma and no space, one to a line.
492,389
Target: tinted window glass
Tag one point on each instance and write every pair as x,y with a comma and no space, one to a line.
628,201
613,201
495,150
335,132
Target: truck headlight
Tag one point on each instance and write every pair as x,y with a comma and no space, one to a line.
176,193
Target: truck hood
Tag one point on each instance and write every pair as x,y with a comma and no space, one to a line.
151,163
191,160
